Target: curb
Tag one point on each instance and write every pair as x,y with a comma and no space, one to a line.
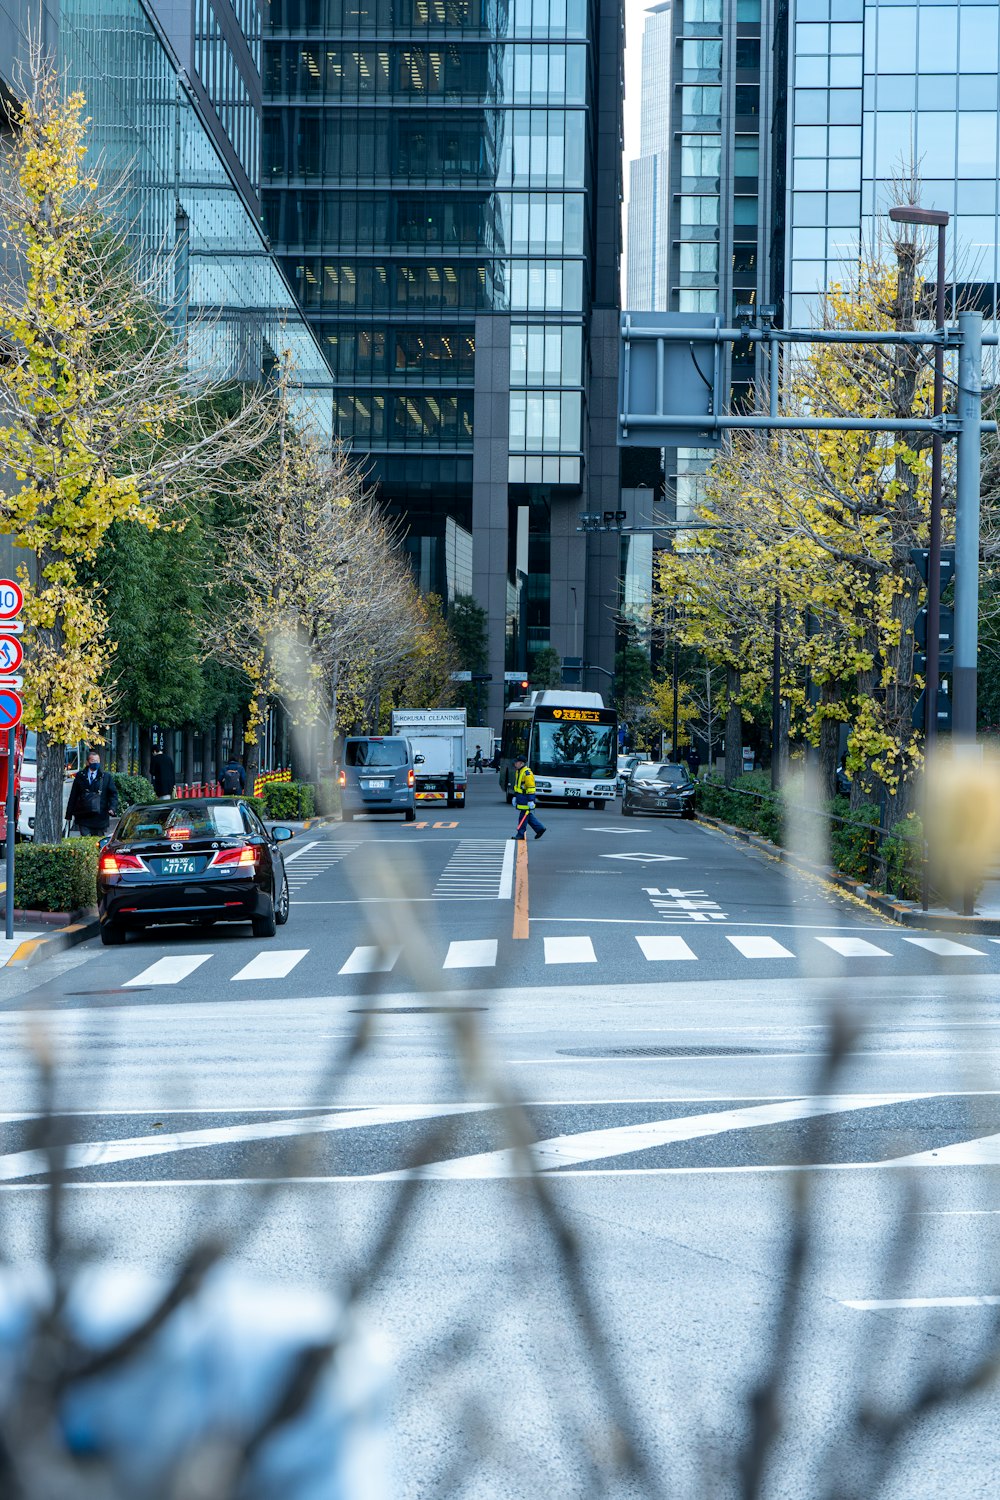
905,913
33,949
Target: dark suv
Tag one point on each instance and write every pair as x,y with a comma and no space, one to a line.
377,776
659,788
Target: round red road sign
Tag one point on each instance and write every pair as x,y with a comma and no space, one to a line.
11,708
11,598
11,654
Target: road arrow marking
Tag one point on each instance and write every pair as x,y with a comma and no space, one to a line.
644,859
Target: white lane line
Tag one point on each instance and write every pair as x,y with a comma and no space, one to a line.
169,970
760,947
371,961
656,947
569,950
100,1153
623,1140
299,852
853,947
477,953
273,965
983,1152
883,1304
945,947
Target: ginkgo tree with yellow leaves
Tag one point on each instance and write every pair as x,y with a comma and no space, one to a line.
102,419
824,521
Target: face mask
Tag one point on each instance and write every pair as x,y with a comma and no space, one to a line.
93,765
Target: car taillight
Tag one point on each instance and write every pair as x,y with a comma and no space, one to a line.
113,864
342,779
244,856
410,778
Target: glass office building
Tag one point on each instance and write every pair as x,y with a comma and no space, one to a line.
648,258
875,87
442,180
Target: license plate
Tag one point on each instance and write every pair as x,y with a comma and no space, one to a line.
376,786
573,791
185,864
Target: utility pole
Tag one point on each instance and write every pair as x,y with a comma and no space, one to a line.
968,470
776,696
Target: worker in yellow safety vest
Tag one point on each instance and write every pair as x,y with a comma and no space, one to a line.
524,799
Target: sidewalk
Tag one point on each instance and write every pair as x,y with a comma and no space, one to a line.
9,946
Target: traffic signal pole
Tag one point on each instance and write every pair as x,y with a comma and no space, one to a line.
967,486
934,545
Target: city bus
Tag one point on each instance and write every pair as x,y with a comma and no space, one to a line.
570,741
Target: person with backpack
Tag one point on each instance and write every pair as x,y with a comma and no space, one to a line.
93,798
233,778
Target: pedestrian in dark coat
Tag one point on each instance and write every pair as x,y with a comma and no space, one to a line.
93,798
161,770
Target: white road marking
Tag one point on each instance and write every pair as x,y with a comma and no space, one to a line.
854,947
101,1153
478,867
884,1304
945,947
299,852
645,859
371,961
169,970
569,950
478,953
614,830
273,965
657,947
623,1140
753,946
983,1152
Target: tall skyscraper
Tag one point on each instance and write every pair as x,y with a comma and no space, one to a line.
648,259
443,181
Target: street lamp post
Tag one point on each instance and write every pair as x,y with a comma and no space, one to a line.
936,218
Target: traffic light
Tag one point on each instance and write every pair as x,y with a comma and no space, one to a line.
920,557
523,685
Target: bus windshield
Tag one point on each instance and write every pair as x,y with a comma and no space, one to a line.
573,749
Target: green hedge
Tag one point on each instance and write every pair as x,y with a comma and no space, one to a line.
289,799
133,791
853,835
328,796
56,877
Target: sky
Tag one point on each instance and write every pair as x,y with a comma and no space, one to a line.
635,20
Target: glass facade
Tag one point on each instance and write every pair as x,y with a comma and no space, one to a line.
876,87
649,174
181,196
428,164
232,80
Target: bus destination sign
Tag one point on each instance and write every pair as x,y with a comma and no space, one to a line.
587,715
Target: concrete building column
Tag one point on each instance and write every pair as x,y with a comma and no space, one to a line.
490,545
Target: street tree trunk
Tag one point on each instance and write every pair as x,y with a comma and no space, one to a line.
121,746
145,751
189,753
734,727
829,742
49,790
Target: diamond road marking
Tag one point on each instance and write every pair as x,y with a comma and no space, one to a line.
644,859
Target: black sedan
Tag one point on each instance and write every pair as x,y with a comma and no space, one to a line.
202,860
659,788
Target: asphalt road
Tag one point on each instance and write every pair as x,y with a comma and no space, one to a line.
666,1025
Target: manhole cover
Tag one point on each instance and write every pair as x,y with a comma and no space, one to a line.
665,1051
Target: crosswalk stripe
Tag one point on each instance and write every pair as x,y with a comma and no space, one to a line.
169,970
656,947
298,853
472,953
371,961
273,965
625,1140
569,950
854,947
752,946
945,947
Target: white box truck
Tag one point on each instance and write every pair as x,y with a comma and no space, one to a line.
482,736
438,734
